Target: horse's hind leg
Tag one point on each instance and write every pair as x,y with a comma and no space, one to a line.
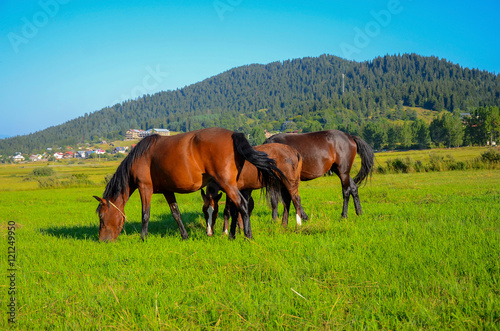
285,196
274,207
237,217
348,188
345,180
241,206
172,202
346,192
247,195
227,214
355,197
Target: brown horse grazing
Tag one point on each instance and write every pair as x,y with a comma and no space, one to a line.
288,160
182,163
334,151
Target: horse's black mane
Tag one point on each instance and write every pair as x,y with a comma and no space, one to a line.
119,181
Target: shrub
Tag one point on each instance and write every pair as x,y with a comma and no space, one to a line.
491,155
458,166
401,165
436,162
380,170
43,172
78,180
49,182
74,180
419,166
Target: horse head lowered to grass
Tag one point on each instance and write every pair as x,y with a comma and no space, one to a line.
288,160
183,163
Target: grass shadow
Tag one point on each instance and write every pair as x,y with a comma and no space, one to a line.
163,225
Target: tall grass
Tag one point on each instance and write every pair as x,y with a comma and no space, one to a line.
424,255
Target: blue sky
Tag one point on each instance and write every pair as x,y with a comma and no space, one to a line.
60,59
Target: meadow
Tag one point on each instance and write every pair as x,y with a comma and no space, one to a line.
424,255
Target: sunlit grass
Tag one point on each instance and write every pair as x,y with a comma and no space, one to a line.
424,255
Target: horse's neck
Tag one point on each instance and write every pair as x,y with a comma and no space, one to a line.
121,200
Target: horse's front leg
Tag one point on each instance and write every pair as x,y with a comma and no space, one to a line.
172,202
226,216
146,208
300,214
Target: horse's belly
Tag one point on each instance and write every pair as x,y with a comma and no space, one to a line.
177,186
178,180
309,173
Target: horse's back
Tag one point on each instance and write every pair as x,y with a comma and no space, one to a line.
186,162
319,150
214,151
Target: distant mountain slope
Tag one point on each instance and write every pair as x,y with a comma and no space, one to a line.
276,92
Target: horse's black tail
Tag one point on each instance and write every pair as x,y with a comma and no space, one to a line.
270,176
367,156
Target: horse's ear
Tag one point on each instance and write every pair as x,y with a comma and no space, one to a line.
99,199
217,198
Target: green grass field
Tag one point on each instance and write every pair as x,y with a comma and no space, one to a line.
424,255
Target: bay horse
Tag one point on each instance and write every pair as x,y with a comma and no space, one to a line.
183,163
330,150
288,160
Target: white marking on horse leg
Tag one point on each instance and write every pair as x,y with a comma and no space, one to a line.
299,220
209,221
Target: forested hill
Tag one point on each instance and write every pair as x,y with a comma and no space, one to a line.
309,91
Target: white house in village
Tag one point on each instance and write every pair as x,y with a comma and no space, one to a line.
161,132
120,149
58,155
18,158
36,157
80,154
133,134
137,134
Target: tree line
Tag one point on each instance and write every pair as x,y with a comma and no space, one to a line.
481,127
